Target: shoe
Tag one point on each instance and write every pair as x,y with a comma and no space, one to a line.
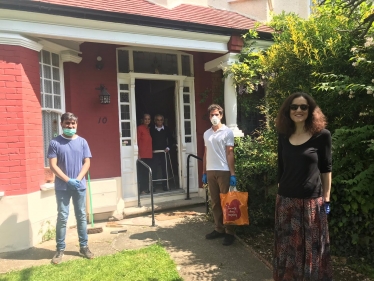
57,258
229,239
85,252
214,234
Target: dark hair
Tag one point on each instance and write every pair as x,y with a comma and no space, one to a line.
68,116
214,107
315,122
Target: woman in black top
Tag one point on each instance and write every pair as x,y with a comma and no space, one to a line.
302,247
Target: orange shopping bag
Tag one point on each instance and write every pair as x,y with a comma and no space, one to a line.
235,207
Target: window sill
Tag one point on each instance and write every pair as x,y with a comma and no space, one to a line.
47,186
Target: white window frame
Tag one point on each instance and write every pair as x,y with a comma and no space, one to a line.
62,94
178,53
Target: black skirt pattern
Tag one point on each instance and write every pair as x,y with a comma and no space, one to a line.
302,244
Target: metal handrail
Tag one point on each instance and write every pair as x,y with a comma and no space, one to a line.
188,173
150,188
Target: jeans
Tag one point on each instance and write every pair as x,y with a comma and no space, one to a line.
63,202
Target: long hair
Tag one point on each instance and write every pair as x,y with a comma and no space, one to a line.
315,122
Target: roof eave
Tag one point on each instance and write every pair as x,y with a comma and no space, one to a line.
76,12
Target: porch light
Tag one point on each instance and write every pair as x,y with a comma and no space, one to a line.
104,95
99,63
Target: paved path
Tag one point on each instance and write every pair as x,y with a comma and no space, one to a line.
182,234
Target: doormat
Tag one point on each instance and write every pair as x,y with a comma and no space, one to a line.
174,215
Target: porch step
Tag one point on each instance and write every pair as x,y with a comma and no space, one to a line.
167,202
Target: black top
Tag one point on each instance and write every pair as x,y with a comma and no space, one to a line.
161,139
300,166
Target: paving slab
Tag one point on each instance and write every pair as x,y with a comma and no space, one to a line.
181,232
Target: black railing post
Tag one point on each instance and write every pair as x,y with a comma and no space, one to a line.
188,173
150,188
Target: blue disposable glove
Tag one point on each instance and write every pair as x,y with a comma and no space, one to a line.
204,179
327,207
232,180
74,183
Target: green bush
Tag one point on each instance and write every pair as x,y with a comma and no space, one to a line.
353,193
256,170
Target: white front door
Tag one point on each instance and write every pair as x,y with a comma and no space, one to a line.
127,116
185,111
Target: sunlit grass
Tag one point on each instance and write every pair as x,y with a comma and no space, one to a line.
152,263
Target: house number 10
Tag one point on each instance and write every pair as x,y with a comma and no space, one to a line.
102,120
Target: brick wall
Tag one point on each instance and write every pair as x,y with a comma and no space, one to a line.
83,100
21,136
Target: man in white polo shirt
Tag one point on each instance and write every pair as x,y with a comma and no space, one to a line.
219,170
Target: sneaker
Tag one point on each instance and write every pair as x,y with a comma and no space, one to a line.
213,235
57,258
229,239
85,252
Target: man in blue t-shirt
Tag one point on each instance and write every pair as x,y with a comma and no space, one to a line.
69,158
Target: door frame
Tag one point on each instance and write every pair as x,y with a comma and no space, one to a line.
182,147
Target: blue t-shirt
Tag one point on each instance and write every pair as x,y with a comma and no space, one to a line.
70,154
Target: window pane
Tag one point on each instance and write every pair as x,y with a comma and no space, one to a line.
56,88
186,68
48,101
186,89
156,63
57,102
40,70
47,71
47,86
125,112
187,139
125,129
187,114
55,60
186,98
124,97
50,130
187,127
56,73
41,85
46,57
123,61
124,87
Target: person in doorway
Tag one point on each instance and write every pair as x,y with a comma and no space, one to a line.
301,240
69,159
162,139
219,170
145,153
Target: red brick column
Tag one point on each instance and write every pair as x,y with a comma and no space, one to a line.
21,134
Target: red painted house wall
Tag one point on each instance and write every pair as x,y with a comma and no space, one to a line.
205,82
21,135
83,100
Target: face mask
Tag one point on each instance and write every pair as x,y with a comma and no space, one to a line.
69,132
215,120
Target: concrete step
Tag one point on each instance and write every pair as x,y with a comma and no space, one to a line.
164,202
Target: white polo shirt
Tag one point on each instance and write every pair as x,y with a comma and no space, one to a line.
216,142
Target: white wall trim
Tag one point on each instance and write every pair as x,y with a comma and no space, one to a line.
70,56
59,27
221,62
18,40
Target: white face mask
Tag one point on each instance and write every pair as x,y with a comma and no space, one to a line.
215,120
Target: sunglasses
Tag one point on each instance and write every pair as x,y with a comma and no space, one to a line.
303,107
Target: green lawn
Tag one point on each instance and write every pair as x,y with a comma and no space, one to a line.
149,264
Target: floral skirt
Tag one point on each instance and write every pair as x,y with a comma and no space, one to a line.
301,240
